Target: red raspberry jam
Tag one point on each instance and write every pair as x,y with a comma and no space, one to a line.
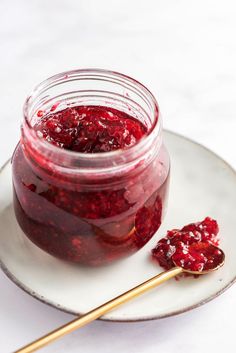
190,247
73,200
90,129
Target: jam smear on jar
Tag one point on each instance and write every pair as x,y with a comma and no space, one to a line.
190,247
97,224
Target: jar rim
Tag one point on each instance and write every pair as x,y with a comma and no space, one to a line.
153,132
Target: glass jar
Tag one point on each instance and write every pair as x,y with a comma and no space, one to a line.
84,207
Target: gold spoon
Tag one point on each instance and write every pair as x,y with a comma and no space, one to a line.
112,304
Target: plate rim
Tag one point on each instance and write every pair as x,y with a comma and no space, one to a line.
57,306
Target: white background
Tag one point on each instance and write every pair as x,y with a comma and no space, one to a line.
185,52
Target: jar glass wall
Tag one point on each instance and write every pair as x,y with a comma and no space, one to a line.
90,208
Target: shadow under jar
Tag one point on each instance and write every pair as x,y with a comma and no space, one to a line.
90,203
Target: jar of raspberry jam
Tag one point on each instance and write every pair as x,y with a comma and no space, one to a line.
90,173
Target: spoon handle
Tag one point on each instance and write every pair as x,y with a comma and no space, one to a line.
101,310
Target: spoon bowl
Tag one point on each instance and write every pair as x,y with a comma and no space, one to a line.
213,266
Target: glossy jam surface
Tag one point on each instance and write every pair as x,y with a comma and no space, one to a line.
90,129
97,223
190,247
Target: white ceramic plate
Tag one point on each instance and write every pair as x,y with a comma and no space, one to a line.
202,185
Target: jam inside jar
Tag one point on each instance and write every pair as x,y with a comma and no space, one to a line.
91,172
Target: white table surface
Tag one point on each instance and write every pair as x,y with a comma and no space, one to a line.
185,52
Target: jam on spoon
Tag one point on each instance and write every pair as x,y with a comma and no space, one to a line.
194,247
201,257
